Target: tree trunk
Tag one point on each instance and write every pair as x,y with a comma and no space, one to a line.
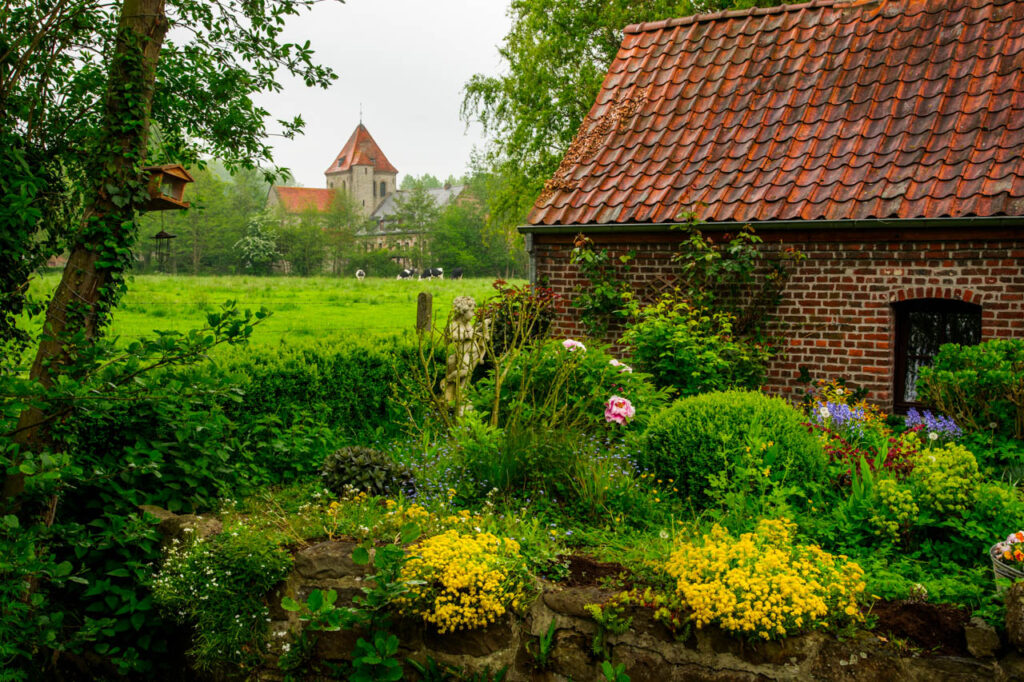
103,248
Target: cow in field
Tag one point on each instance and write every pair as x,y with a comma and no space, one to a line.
406,273
456,273
360,275
431,273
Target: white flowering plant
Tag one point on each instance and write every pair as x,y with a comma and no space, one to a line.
217,585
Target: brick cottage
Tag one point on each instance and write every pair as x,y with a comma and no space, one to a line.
885,140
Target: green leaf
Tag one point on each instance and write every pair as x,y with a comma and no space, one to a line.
409,533
360,556
289,604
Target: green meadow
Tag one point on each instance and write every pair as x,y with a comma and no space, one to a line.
304,308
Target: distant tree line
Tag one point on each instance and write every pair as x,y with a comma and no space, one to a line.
222,205
228,230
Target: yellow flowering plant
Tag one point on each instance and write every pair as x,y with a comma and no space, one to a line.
462,581
763,584
947,479
896,511
365,517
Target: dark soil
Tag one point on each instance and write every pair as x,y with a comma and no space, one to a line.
586,571
935,628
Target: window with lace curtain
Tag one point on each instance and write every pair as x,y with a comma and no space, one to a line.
922,326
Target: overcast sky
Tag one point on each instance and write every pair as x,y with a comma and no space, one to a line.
406,61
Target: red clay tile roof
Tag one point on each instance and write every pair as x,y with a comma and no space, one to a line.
299,199
360,150
821,111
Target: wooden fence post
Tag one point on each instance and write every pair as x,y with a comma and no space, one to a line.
424,311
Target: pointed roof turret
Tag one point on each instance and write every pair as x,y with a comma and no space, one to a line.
360,150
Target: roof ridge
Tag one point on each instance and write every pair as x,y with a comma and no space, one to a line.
360,149
733,13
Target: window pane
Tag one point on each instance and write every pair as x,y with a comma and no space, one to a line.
963,328
927,326
924,336
910,386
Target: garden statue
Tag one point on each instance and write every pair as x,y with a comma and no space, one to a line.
469,340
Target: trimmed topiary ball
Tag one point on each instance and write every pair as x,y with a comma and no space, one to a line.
367,470
729,431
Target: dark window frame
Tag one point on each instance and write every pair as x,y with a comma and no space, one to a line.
902,323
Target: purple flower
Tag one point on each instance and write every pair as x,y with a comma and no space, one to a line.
840,415
940,424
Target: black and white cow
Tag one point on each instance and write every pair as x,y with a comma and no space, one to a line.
431,273
406,273
456,273
360,275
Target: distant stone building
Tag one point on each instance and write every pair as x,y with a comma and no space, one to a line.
360,169
385,232
295,200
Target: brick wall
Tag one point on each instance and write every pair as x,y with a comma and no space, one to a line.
838,305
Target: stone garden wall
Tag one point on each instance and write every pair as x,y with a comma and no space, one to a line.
649,651
837,307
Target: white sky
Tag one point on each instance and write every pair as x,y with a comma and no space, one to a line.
406,61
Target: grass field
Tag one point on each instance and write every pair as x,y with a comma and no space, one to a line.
303,307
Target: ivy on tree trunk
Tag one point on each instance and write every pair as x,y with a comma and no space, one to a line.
93,278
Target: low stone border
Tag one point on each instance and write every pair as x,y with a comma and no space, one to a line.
649,651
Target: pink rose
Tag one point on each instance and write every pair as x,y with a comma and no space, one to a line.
618,410
572,345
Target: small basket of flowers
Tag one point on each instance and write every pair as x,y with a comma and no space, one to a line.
1008,557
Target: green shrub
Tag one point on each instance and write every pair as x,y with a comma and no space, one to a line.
997,454
513,460
981,387
547,386
265,416
348,385
367,470
700,436
694,350
29,621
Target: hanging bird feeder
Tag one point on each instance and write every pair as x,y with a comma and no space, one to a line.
167,187
162,241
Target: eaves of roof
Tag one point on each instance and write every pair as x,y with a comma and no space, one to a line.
974,222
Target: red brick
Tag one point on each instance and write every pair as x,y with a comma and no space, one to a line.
842,328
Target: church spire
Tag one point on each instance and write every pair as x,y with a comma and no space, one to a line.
360,150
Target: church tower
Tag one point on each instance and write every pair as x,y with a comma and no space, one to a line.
362,171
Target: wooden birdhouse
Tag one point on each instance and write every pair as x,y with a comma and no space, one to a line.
167,187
